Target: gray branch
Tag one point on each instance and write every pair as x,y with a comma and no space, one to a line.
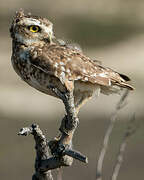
61,150
131,129
120,105
41,151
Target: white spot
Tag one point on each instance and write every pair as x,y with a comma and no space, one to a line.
35,54
48,29
56,73
109,82
68,70
30,41
102,75
69,74
94,75
86,78
62,77
68,59
78,77
56,65
62,74
84,71
62,63
62,68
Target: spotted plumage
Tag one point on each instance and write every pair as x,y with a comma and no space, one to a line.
41,62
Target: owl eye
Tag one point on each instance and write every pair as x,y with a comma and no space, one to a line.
34,28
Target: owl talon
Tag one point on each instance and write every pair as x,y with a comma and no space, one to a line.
60,150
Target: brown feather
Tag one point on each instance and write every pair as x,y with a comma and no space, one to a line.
71,65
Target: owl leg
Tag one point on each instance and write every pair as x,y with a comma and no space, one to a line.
70,119
63,145
81,99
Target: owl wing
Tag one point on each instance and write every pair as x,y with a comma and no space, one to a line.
69,65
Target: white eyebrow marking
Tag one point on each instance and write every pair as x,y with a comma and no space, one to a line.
31,21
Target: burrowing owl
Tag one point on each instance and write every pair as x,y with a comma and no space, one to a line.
41,62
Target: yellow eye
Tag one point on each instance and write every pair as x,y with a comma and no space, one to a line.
34,28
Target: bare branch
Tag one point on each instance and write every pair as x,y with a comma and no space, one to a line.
61,147
120,105
41,151
131,129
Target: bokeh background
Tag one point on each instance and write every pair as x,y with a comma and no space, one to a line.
110,31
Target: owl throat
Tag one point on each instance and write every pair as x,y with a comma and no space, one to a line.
29,41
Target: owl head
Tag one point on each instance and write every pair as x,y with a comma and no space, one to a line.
28,29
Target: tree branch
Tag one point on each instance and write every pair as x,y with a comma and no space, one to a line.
131,129
120,105
41,151
61,147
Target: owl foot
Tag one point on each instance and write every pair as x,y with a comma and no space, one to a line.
70,121
61,150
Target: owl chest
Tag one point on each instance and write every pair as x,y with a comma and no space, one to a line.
33,76
29,73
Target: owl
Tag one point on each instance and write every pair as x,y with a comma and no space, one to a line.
43,62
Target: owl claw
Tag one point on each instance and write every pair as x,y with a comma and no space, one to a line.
60,150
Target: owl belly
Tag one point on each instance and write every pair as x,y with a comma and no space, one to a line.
83,91
40,86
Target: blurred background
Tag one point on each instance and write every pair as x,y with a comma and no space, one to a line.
110,31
